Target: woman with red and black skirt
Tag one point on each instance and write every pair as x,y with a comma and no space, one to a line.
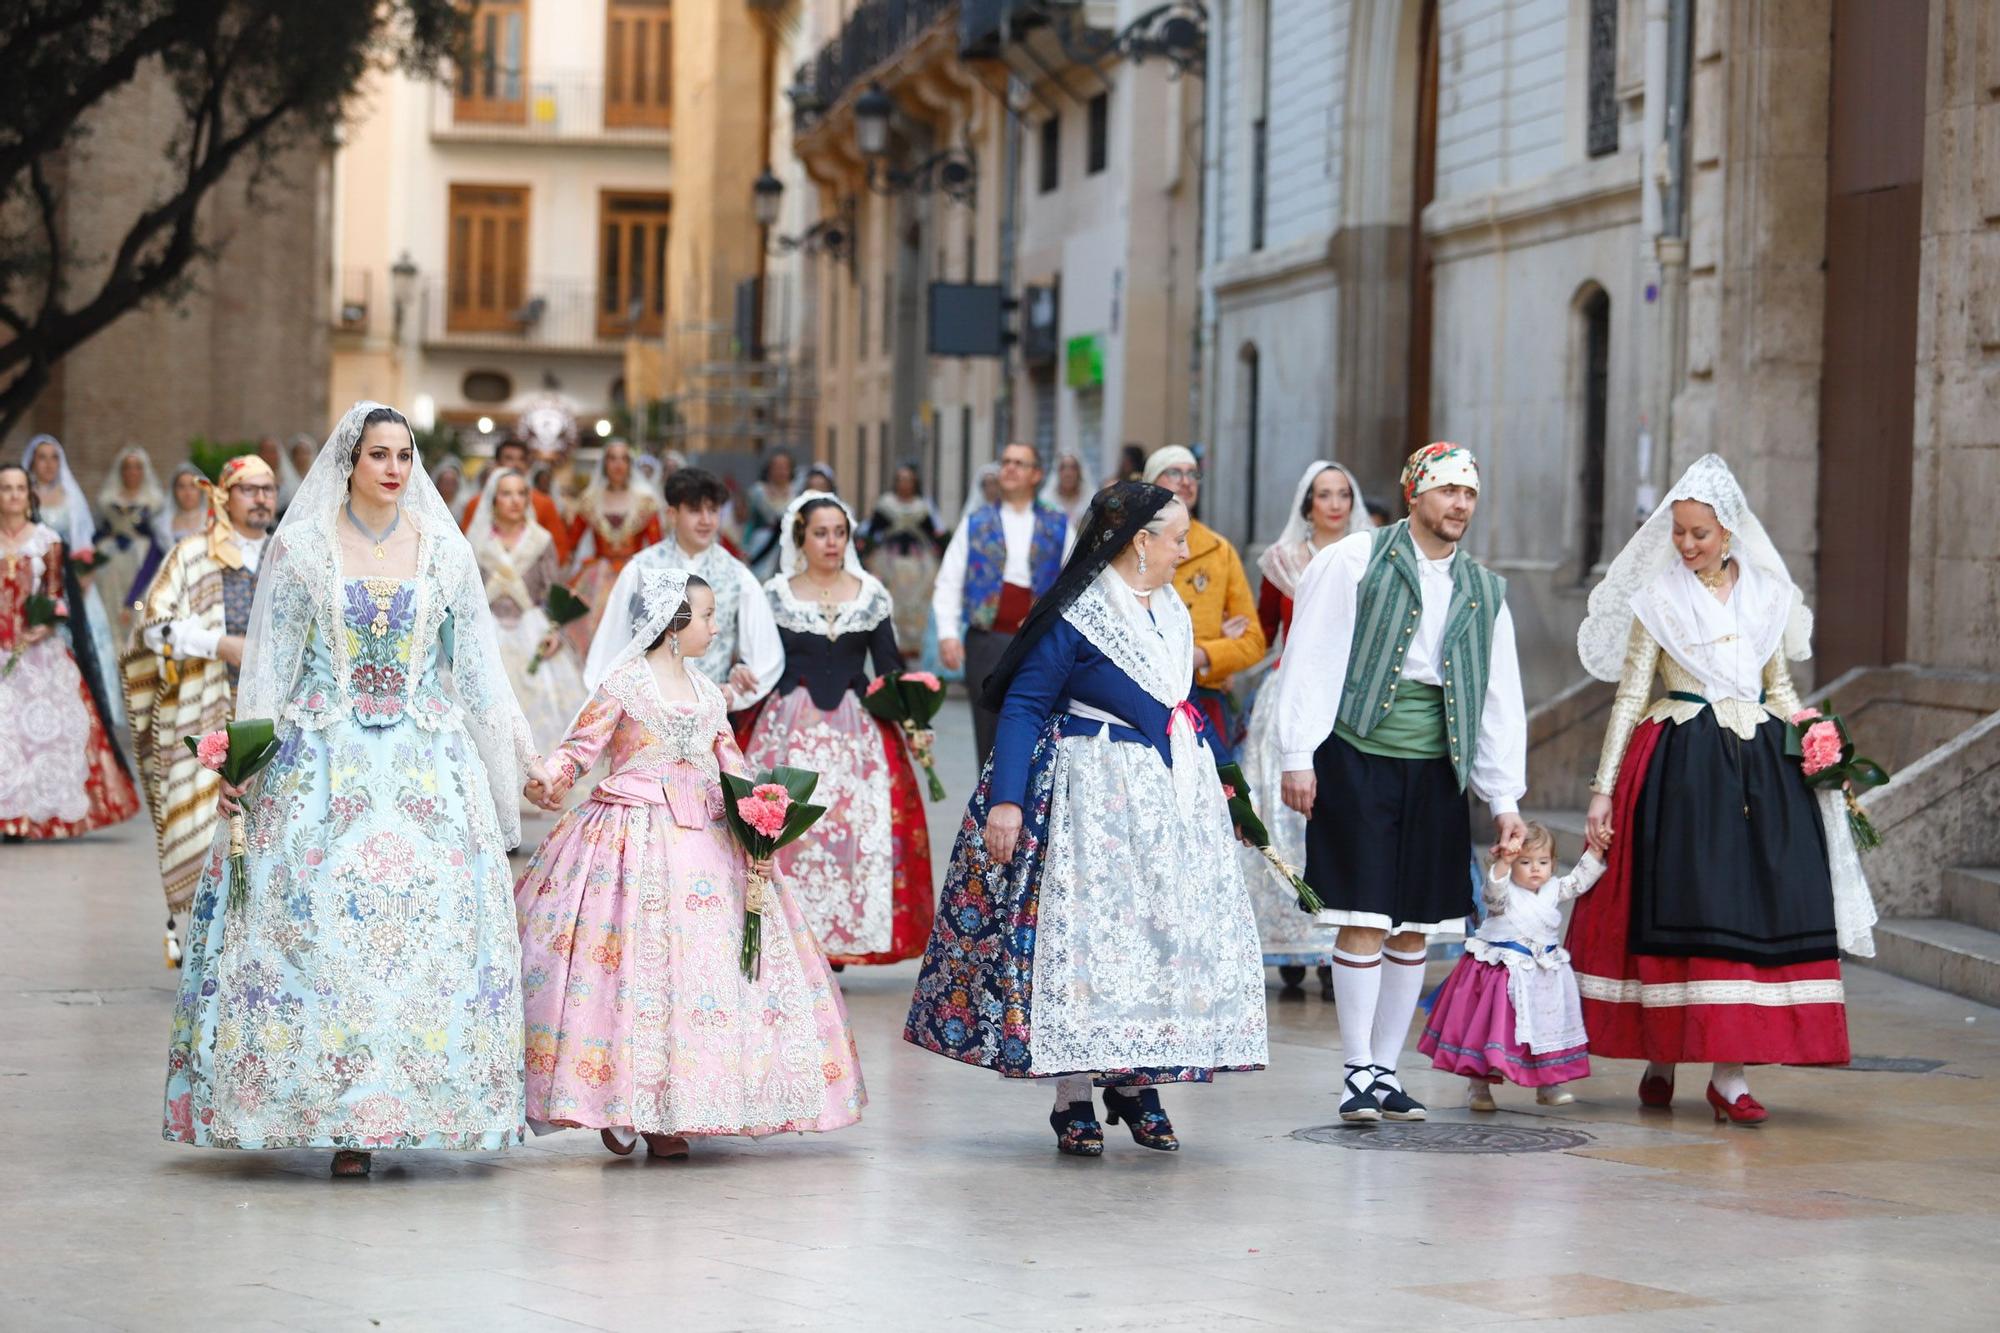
1731,888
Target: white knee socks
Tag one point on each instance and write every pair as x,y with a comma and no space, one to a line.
1072,1088
1357,983
1402,986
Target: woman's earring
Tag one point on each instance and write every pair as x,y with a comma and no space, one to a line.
674,643
1142,562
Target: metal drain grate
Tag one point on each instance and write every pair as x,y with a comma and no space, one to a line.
1892,1064
1447,1137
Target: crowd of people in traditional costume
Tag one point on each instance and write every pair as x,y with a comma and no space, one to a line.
371,973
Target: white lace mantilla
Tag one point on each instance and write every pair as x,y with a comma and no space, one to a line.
677,733
1724,645
859,615
1156,651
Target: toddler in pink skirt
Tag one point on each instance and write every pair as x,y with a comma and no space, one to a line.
1510,1008
640,1022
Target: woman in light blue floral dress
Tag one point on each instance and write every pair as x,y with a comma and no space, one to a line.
365,992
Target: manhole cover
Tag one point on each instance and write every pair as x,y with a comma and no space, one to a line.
1892,1064
1446,1137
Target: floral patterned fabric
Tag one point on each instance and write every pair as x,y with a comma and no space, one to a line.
863,872
631,917
1117,942
59,776
367,995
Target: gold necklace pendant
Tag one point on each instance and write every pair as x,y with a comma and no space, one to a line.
380,554
1713,579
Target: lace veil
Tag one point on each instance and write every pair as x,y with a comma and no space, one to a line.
79,531
298,600
790,558
1275,562
975,494
1601,640
112,491
1051,495
659,598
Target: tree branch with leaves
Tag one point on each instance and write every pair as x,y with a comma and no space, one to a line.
250,79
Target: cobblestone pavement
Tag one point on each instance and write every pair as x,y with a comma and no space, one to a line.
1869,1200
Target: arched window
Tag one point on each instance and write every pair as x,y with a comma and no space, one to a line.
1252,400
1593,315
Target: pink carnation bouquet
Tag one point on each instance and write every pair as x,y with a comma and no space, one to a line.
237,753
1818,739
910,699
765,813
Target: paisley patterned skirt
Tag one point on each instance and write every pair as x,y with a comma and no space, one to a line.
1119,941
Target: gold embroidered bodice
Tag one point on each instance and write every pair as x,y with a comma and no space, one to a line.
1643,659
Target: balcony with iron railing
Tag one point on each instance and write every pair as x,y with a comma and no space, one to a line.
497,105
497,312
874,33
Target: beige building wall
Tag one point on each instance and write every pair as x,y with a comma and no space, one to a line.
242,352
393,180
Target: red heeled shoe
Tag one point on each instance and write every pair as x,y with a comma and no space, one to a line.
1745,1110
1655,1091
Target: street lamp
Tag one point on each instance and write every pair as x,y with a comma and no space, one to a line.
765,196
954,171
1176,32
402,289
872,111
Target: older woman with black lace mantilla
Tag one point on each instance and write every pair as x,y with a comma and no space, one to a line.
1094,926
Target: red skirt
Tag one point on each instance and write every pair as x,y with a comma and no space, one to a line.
1675,1010
915,903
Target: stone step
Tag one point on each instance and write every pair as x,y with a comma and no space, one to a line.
1948,955
1971,894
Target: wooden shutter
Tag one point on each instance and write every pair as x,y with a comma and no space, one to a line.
493,81
488,282
638,63
632,264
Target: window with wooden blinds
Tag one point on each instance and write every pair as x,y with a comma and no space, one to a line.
488,281
632,264
638,63
493,80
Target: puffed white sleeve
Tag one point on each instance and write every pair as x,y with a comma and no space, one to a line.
757,640
1499,773
1314,667
948,593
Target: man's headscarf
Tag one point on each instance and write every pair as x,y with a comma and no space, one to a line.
1439,464
222,534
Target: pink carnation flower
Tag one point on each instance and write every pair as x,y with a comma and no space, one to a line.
923,678
876,684
772,792
1820,747
1805,715
213,750
764,816
1228,792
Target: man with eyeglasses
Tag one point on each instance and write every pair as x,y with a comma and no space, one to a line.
180,667
1227,634
1003,556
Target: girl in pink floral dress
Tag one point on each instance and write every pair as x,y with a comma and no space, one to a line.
640,1022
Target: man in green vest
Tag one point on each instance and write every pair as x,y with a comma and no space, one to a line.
1412,695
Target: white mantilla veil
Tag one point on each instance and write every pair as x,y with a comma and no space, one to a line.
1601,640
298,599
1274,560
80,532
659,597
791,559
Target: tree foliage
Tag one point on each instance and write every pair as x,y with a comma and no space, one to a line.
249,79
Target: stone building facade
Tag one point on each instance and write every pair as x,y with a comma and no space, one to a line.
242,352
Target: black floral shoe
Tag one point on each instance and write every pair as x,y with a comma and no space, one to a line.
1077,1132
1143,1116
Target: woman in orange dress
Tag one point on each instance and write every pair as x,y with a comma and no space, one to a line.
616,518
